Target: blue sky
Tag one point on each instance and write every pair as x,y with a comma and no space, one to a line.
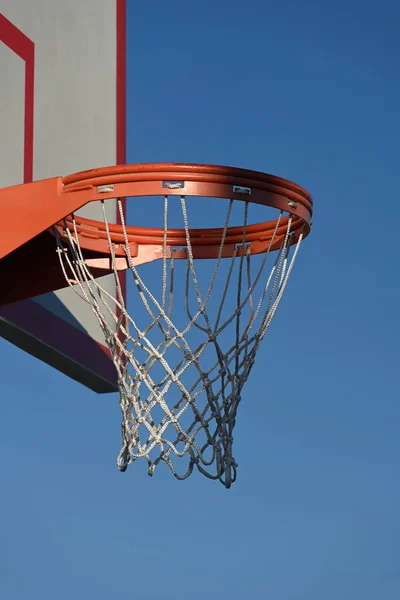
308,91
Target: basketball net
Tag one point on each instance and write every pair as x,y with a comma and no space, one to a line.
184,353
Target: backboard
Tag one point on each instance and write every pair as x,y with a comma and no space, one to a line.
62,110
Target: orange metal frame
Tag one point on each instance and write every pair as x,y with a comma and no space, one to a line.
29,211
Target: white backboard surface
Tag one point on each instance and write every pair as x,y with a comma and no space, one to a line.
62,110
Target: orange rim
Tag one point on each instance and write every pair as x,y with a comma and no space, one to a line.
190,180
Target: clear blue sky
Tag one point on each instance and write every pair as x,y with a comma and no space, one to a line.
307,90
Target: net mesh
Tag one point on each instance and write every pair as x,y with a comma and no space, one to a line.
182,359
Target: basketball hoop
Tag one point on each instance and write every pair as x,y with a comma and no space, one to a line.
182,355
